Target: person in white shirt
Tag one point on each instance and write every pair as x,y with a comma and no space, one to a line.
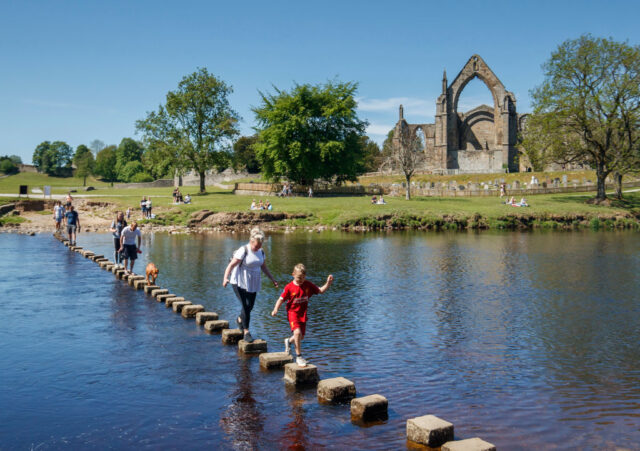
128,248
244,273
149,207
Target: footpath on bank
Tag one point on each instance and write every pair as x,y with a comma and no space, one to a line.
366,411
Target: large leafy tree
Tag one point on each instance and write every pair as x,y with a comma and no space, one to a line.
8,165
588,106
84,161
372,156
244,154
128,150
53,158
196,126
106,164
310,133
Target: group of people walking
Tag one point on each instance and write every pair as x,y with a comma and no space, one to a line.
66,213
244,274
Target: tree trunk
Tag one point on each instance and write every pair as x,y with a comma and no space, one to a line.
202,176
408,195
617,177
84,182
601,177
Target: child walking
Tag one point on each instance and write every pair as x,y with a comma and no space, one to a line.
297,294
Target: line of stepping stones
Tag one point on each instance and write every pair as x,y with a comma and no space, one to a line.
426,430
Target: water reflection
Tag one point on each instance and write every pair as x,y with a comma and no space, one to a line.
511,337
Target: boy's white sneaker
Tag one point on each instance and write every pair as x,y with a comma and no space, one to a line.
286,345
301,362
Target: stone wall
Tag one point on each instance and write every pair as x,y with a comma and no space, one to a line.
477,161
211,178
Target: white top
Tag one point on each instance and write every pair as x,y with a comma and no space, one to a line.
58,211
130,235
149,203
247,274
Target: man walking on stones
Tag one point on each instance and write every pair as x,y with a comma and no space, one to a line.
128,247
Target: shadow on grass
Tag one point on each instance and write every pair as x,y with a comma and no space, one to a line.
630,201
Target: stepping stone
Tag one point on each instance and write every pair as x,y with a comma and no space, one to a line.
177,306
104,263
231,336
273,360
169,301
367,408
131,280
108,267
156,291
336,389
115,268
164,297
212,326
119,273
86,254
255,347
203,317
139,284
470,444
100,259
301,376
95,257
148,288
190,311
429,430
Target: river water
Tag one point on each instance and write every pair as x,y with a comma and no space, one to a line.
527,340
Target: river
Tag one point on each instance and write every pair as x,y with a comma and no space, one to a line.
527,340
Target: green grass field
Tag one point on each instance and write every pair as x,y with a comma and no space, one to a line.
341,211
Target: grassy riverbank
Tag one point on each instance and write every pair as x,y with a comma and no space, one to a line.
546,211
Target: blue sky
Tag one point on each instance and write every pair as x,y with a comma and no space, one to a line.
78,71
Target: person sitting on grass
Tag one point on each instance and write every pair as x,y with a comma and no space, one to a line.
253,205
374,200
381,200
268,206
187,199
523,202
297,294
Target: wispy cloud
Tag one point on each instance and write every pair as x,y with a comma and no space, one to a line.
412,106
379,129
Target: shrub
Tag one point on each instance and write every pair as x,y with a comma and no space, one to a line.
8,167
141,177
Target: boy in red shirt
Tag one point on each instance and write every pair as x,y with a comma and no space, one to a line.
297,294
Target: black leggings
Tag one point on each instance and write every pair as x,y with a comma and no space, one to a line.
246,301
117,257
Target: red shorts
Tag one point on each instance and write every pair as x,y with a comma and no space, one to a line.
296,323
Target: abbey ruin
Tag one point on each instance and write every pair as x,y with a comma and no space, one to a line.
476,141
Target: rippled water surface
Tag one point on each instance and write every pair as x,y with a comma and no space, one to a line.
526,340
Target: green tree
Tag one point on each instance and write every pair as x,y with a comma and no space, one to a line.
372,155
196,125
244,155
130,170
106,164
53,158
16,159
85,163
311,133
7,166
589,105
128,151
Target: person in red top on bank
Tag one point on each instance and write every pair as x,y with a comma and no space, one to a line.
297,294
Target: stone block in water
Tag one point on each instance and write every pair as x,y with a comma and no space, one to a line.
119,272
255,347
139,284
429,430
104,263
190,311
211,326
301,376
108,267
157,291
273,360
336,389
203,317
367,408
131,280
177,306
164,297
231,336
95,257
470,444
170,300
115,268
148,288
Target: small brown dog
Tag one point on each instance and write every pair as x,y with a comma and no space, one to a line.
152,273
